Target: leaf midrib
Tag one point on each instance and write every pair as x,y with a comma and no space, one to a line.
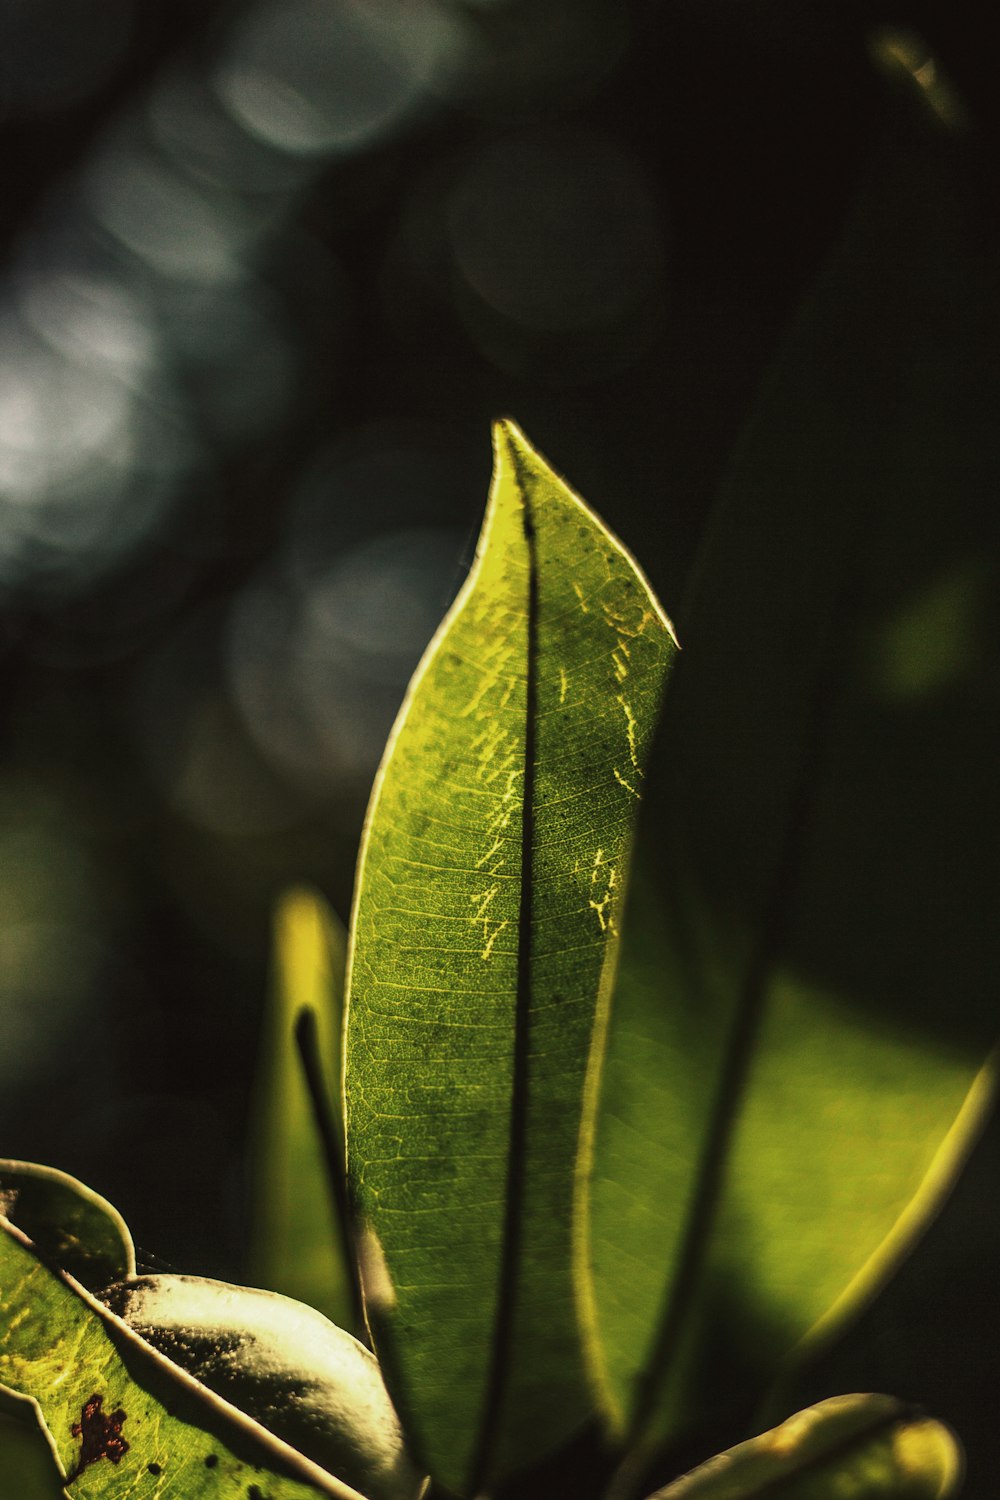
512,1240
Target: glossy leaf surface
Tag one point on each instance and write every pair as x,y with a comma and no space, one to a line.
847,1448
807,985
124,1421
297,1246
484,939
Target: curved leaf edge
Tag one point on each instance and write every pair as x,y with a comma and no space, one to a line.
833,1432
513,453
920,1212
35,1172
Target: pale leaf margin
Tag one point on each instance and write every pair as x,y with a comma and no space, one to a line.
921,1211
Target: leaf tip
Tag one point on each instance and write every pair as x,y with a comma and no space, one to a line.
930,1457
512,451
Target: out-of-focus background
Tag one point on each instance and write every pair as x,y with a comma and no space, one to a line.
268,271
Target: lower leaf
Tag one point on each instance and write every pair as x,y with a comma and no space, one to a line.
847,1448
122,1419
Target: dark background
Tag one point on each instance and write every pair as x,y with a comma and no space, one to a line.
268,273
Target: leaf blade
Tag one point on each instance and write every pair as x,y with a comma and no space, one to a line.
297,1245
503,816
815,875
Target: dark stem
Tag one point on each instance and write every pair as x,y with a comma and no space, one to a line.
331,1137
513,1231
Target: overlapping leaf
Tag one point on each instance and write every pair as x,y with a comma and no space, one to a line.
484,939
70,1226
808,983
124,1421
850,1447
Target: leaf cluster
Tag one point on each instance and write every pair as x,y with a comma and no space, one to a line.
634,1111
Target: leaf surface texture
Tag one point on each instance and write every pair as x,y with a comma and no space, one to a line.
485,932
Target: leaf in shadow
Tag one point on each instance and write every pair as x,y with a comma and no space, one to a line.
484,939
795,1067
70,1226
846,1448
27,1468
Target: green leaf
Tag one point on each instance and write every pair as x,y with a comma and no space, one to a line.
284,1364
484,939
70,1225
807,986
297,1243
122,1420
27,1468
847,1448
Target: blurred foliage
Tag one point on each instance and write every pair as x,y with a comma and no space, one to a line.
257,314
297,1245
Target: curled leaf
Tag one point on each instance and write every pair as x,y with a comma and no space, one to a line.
847,1448
285,1365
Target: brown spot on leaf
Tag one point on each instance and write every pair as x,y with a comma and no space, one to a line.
100,1435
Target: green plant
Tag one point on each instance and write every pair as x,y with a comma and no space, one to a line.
556,1218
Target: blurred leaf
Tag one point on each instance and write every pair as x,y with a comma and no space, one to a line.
808,979
847,1448
27,1468
121,1418
484,938
297,1243
70,1225
284,1364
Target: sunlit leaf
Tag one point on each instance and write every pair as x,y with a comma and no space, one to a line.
808,980
284,1364
124,1421
484,939
297,1245
847,1448
70,1225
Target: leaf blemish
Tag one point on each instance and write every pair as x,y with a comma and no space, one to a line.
100,1435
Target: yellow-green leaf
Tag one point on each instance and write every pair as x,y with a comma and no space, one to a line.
485,931
847,1448
297,1243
